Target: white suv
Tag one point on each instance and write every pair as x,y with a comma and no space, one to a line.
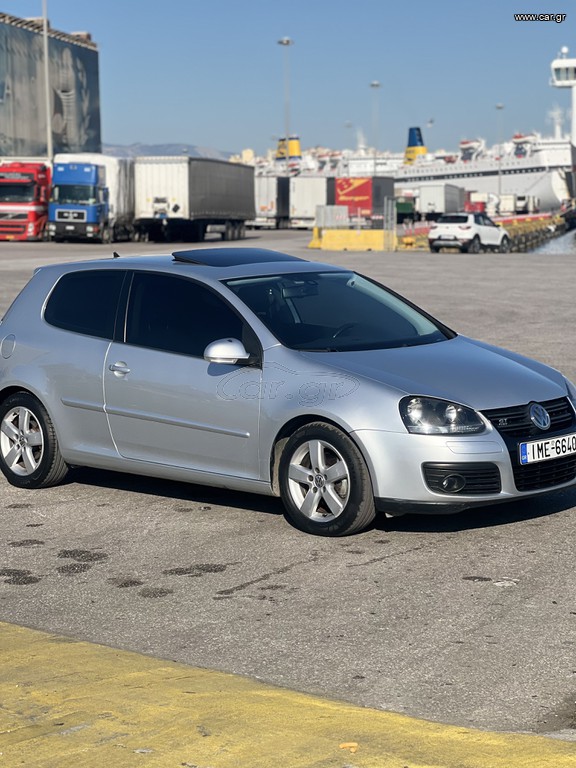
470,232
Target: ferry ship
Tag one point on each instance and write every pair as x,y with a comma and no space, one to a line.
528,165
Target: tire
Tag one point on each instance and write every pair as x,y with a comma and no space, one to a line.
434,249
324,482
504,246
474,246
29,453
228,233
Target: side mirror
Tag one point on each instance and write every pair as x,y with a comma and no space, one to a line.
227,351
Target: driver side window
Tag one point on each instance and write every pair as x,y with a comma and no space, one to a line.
177,315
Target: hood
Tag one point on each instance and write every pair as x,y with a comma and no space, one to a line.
460,369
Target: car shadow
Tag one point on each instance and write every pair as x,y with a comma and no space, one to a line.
489,516
173,489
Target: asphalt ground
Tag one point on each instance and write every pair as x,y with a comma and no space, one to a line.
464,622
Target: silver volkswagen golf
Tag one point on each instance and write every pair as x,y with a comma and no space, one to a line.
259,371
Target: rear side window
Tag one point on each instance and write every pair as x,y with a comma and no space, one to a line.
86,302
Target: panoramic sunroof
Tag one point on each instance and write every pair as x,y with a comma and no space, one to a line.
231,257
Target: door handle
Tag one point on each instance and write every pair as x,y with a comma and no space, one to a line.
119,367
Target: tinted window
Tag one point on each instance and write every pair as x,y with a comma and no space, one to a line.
177,315
335,311
453,218
86,302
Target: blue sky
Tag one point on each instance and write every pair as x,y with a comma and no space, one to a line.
212,73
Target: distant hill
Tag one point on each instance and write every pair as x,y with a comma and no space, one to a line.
139,150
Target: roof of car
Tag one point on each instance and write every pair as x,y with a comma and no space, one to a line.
211,263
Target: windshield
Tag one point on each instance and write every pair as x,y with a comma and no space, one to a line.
335,312
77,194
17,192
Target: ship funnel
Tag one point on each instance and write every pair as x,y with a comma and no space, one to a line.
415,147
291,148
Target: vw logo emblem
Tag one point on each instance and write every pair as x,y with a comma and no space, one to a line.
539,416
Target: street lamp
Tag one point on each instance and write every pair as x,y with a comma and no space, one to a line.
49,147
375,85
286,42
499,108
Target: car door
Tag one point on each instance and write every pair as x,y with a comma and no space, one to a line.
164,402
80,316
490,232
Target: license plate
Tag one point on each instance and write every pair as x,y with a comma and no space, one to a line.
69,226
543,450
446,237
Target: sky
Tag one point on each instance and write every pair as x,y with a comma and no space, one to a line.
213,74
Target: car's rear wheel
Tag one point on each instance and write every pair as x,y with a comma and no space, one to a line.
474,246
29,452
324,482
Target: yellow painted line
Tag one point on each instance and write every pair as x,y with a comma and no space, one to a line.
70,704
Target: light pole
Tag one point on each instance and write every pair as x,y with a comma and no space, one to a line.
375,85
499,108
286,43
49,147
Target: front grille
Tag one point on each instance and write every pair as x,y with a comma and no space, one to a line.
478,478
515,421
515,426
13,216
544,474
70,215
12,229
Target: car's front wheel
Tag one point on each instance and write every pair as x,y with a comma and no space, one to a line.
29,452
324,482
504,246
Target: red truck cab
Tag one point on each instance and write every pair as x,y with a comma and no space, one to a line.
24,197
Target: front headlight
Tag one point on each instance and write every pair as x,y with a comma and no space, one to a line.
571,390
429,416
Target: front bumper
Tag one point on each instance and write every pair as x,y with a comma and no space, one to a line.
76,230
443,473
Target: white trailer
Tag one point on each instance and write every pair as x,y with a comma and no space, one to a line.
306,193
119,173
271,202
435,199
181,197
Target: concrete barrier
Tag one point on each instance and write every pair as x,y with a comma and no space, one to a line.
353,240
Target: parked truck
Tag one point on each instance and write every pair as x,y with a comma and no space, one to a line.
272,202
306,193
24,195
183,198
436,199
92,198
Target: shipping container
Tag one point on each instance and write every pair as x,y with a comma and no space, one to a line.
306,193
364,196
436,199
